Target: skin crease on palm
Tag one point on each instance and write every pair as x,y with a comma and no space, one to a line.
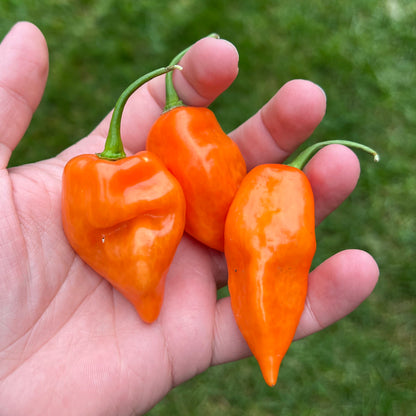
69,343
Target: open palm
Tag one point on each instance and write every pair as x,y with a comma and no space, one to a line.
70,343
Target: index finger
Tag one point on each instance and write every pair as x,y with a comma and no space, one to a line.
198,84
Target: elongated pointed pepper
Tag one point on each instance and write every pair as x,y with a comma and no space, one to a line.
125,216
207,163
269,247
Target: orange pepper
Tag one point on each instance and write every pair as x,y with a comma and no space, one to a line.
207,163
269,248
125,216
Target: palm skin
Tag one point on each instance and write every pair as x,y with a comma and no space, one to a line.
69,343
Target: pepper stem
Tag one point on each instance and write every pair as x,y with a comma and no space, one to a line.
304,156
113,149
172,98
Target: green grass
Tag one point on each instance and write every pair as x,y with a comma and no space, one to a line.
363,54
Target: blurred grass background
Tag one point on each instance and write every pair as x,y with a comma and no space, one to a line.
363,54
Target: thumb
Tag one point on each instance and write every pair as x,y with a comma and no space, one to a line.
23,73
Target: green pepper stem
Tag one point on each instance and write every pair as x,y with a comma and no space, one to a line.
113,149
304,156
172,98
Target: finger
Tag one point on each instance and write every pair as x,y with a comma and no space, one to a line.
336,288
188,309
23,73
202,79
198,84
279,127
333,173
228,343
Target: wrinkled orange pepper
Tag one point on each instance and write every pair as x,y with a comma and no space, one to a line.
269,247
207,163
125,216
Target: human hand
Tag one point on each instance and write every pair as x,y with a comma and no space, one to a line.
70,343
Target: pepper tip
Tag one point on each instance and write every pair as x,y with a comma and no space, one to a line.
269,367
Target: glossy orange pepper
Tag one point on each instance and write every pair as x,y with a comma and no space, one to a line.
207,163
269,248
124,216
